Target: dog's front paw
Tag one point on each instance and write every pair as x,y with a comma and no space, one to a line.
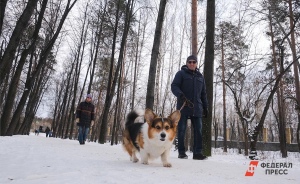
145,162
167,164
135,160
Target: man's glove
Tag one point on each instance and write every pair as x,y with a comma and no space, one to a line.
92,122
205,113
77,120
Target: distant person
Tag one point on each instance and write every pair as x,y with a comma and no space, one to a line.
189,88
41,129
85,118
47,131
36,132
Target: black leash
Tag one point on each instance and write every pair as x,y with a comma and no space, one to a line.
187,103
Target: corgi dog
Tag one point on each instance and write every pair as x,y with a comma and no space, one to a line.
152,138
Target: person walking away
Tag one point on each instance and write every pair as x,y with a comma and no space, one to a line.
189,87
47,131
85,118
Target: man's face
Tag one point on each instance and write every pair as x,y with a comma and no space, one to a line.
192,64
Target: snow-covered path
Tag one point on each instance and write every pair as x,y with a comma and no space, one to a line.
37,159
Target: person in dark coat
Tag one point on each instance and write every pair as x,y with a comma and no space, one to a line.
189,88
47,131
85,118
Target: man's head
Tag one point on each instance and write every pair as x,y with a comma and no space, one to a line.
191,62
88,98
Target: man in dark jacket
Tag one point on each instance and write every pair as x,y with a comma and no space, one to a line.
47,131
85,118
189,88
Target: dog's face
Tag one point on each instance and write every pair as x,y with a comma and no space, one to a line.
162,129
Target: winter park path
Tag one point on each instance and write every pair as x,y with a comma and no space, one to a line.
37,159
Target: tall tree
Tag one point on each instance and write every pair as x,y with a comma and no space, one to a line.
135,65
279,92
79,57
296,65
194,28
98,37
154,55
113,79
41,62
224,91
109,91
9,54
233,51
5,116
2,11
208,72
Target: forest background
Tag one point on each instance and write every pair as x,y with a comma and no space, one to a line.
54,52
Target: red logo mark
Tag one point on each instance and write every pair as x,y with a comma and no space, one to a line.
252,165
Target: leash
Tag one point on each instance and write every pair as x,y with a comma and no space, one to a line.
187,103
162,119
182,106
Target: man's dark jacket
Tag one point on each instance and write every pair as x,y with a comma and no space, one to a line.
85,113
191,84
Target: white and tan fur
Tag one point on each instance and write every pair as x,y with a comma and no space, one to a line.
152,139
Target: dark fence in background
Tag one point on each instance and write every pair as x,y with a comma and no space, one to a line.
262,146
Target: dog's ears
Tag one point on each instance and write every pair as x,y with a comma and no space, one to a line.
175,117
149,116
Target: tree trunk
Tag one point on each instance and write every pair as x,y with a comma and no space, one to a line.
98,37
118,107
182,39
281,108
135,67
154,55
56,110
296,64
2,13
16,78
209,74
279,93
112,85
215,123
34,101
78,61
109,91
238,138
31,80
194,28
67,117
224,95
259,127
9,53
65,101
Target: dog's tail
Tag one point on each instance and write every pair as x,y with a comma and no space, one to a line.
130,119
130,132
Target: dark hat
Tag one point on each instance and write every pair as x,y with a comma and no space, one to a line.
89,96
192,57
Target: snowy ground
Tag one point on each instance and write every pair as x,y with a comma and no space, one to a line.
37,159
